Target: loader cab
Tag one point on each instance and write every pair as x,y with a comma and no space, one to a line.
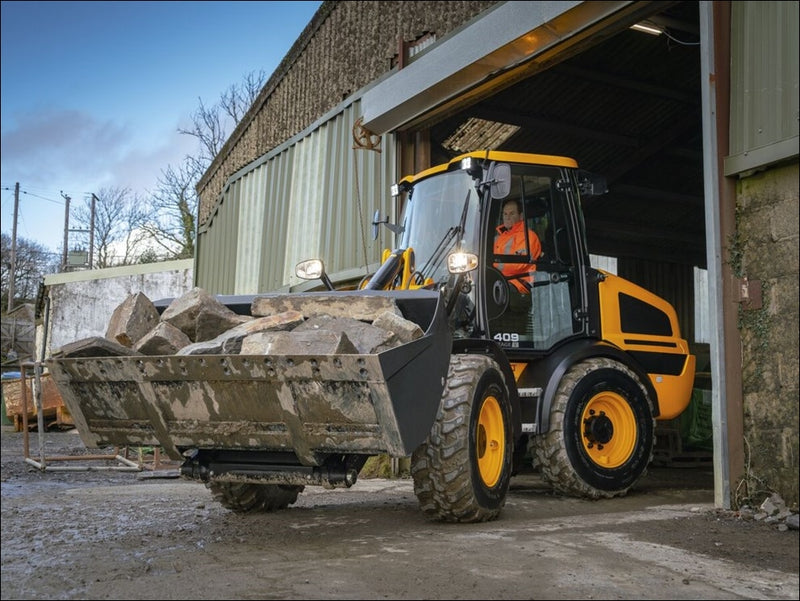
458,207
534,301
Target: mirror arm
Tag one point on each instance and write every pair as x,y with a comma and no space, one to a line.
327,281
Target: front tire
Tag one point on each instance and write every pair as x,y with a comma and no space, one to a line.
461,473
601,434
245,497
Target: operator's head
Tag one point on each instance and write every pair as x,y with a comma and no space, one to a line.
512,212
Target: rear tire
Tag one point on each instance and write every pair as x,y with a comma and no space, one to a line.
461,473
601,435
245,497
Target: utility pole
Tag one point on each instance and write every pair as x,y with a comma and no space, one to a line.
66,233
91,231
12,276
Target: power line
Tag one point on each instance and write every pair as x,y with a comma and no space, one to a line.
18,217
42,197
21,191
33,194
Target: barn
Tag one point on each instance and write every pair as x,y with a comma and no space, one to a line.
689,109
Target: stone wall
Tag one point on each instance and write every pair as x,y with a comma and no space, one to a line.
346,46
765,249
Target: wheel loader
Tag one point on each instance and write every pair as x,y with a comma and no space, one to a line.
568,370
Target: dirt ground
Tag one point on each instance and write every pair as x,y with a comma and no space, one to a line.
122,535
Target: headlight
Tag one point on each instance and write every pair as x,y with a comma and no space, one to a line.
461,262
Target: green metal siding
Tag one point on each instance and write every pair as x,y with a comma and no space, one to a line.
764,84
312,197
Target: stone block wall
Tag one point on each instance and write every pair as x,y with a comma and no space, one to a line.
765,249
346,46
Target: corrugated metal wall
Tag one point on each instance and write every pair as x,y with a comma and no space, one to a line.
764,83
312,197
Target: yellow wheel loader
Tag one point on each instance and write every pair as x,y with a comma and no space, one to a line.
560,364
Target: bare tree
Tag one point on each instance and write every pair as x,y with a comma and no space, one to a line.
210,124
237,100
32,262
118,219
172,209
208,128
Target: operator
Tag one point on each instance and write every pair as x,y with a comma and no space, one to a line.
510,240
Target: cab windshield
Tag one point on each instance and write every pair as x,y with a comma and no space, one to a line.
440,216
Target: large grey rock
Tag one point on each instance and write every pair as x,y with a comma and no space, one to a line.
363,308
404,329
132,319
214,319
183,312
298,343
164,339
95,346
230,342
364,336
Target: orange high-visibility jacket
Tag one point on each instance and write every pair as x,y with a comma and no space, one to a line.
512,242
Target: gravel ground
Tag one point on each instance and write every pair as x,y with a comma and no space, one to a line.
147,535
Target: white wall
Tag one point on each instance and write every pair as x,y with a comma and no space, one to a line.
81,303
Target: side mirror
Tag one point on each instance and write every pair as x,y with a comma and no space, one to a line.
500,180
312,269
590,184
377,221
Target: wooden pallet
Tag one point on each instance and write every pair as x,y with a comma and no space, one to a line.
54,411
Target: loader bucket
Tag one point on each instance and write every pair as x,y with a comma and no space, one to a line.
309,404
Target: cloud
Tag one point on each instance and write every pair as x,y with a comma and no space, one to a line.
71,150
49,148
140,168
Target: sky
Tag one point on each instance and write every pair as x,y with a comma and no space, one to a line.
93,93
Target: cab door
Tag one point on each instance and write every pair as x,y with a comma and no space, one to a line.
539,313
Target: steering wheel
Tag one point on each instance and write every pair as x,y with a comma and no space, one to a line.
497,293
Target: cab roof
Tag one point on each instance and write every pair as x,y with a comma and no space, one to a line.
494,155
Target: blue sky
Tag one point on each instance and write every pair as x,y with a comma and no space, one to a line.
93,93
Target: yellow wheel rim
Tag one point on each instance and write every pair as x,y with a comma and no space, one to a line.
491,442
609,430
